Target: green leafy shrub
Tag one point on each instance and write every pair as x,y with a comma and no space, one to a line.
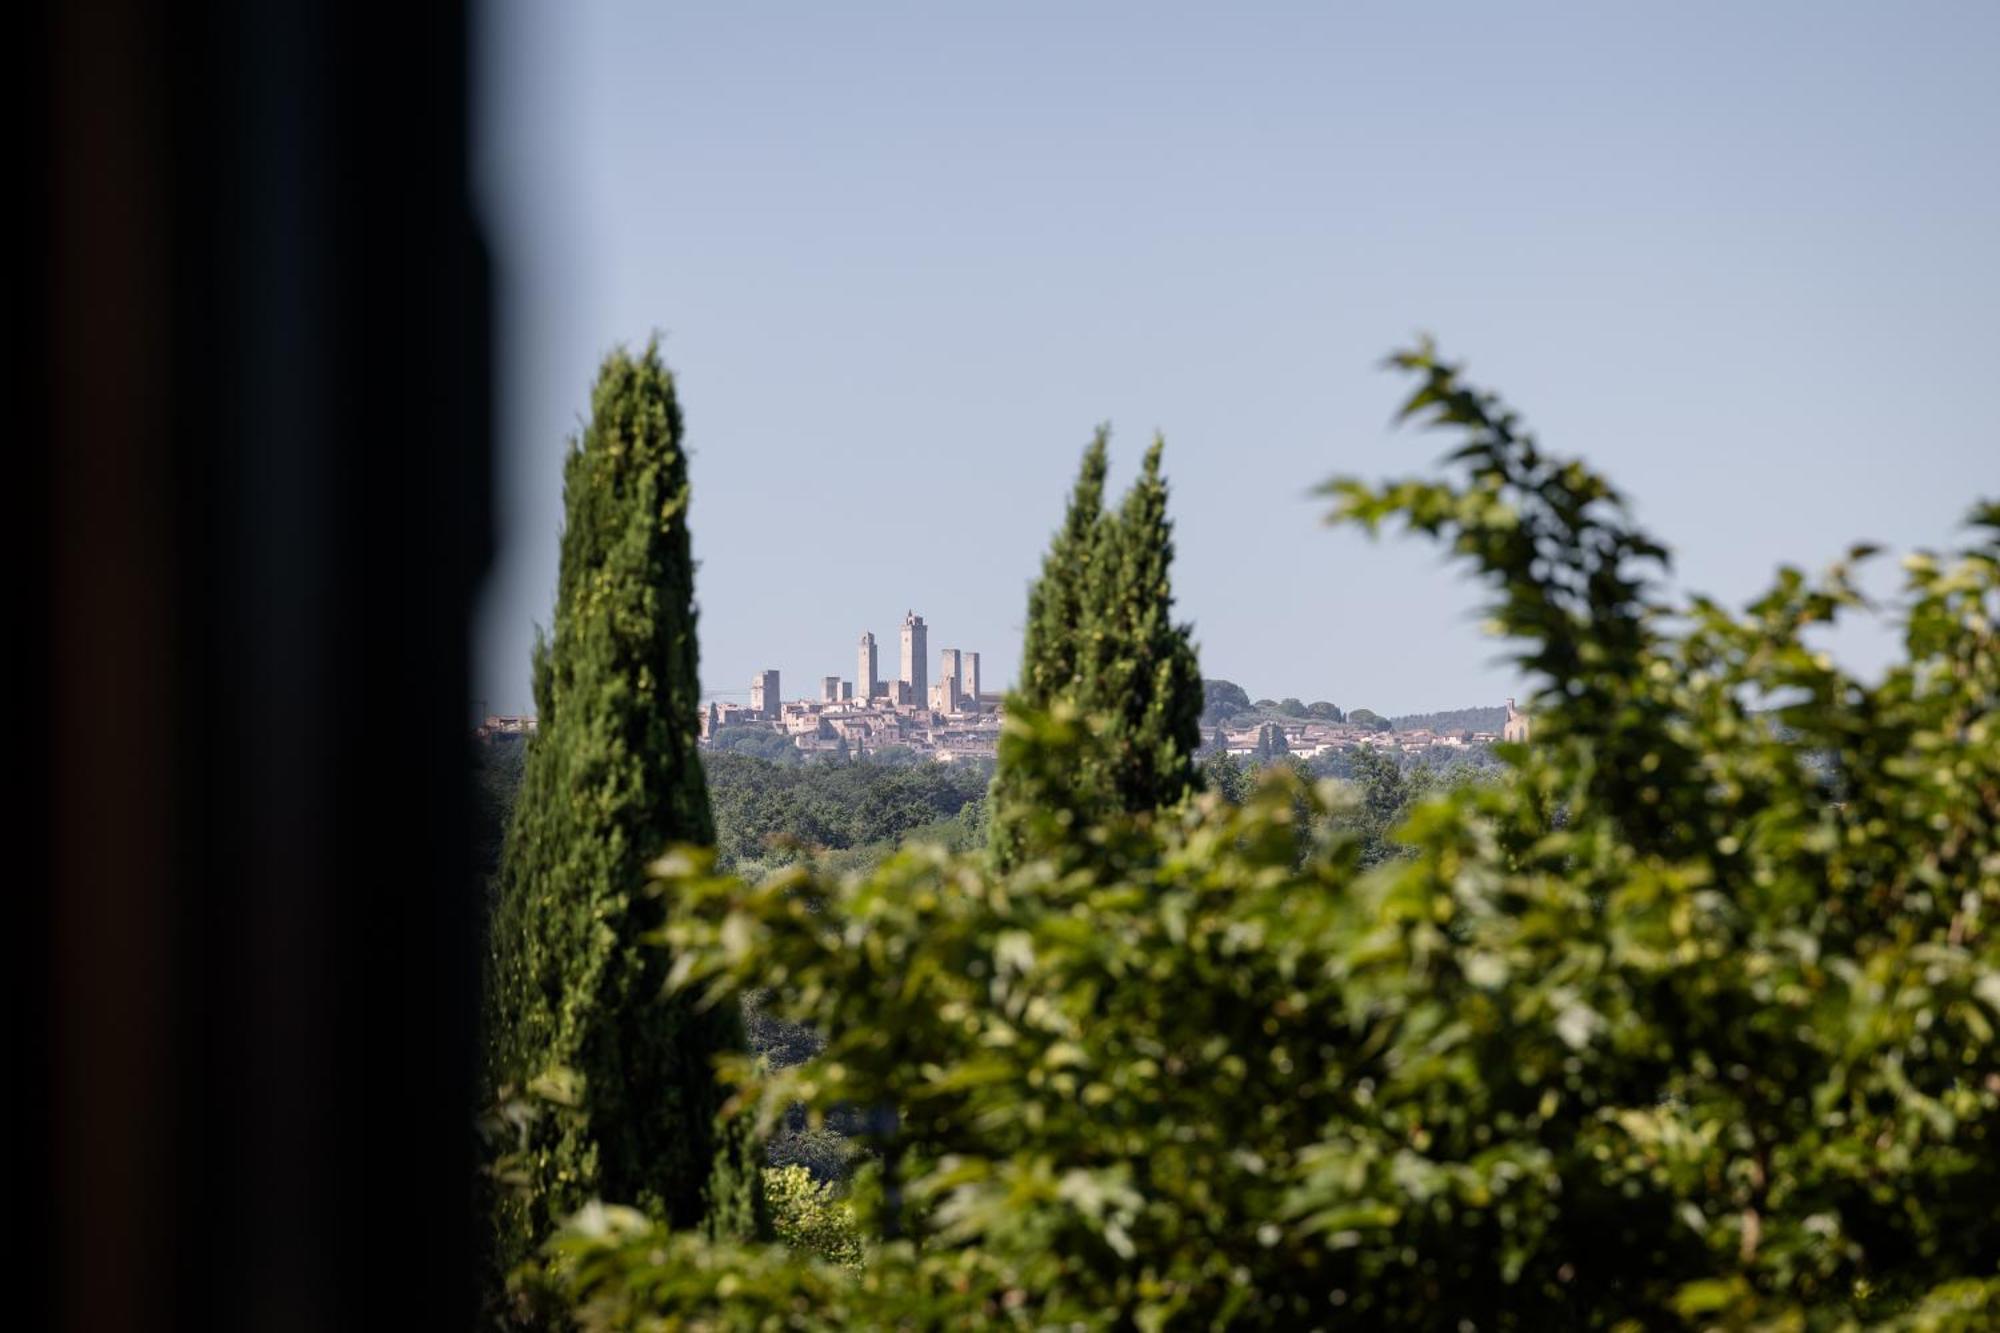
810,1216
1688,1022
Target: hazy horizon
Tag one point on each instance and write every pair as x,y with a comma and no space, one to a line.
904,259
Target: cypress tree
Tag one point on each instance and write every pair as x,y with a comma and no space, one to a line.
1059,601
1101,638
1057,606
1139,674
619,1078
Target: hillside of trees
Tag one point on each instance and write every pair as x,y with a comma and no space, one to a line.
1453,720
1685,1015
1225,703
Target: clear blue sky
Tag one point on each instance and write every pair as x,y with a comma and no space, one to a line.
904,257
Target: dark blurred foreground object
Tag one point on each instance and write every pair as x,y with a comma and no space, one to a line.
257,400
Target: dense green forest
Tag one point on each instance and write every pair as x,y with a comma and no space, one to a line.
847,815
1685,1015
843,815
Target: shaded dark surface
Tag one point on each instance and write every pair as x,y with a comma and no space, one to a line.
257,447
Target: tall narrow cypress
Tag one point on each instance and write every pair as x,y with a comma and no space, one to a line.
1057,607
1101,638
1059,600
619,1080
1139,676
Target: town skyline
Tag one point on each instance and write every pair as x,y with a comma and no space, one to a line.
951,718
955,718
961,666
811,684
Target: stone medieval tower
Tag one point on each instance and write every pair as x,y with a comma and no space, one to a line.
916,651
865,670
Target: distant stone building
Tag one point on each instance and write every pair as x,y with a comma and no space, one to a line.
1519,724
719,716
950,679
829,689
764,695
866,672
803,719
916,653
968,684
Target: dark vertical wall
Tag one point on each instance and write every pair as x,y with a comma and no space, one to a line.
257,462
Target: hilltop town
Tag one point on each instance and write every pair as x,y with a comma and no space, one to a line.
952,718
949,719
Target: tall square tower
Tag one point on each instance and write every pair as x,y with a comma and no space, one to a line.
764,696
865,670
950,679
916,651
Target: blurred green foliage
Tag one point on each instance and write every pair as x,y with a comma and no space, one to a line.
1374,792
1690,1022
